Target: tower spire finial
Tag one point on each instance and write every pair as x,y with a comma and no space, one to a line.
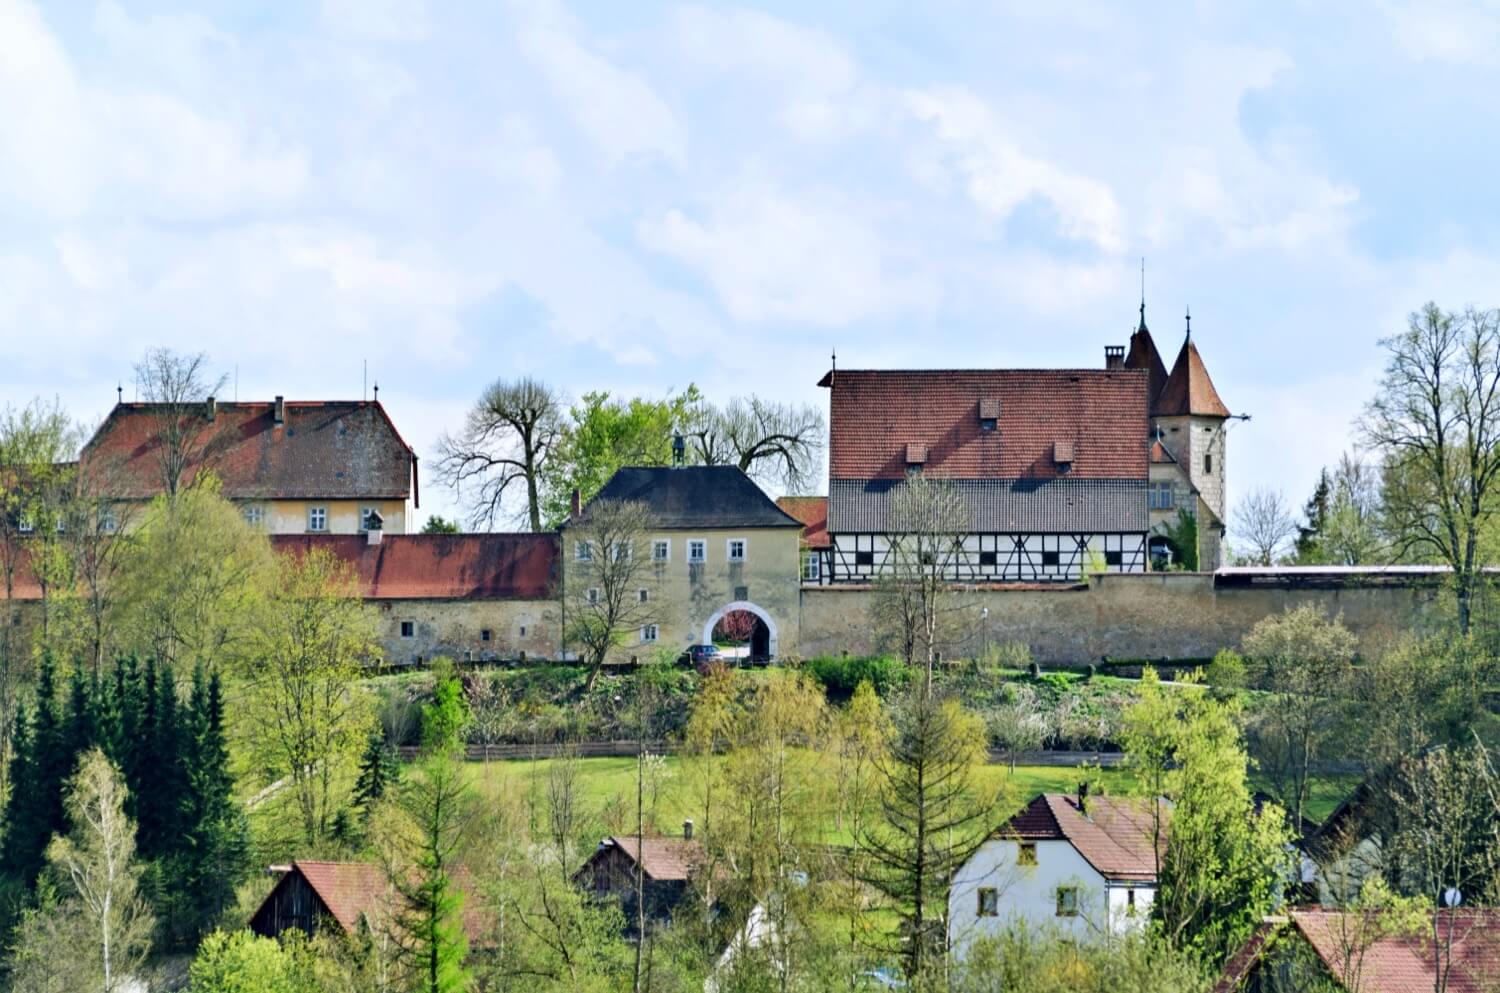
1143,294
1190,323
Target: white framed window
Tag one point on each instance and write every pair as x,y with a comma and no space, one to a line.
1160,496
661,550
989,902
317,518
25,525
108,523
621,551
1026,853
583,551
255,514
812,566
734,549
645,596
593,594
364,517
697,551
648,632
1067,901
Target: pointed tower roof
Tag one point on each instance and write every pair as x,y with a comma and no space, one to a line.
1189,390
1143,355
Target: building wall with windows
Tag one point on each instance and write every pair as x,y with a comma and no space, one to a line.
414,632
338,516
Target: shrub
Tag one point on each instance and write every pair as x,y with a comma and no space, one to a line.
841,676
1034,671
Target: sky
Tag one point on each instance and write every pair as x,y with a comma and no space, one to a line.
635,197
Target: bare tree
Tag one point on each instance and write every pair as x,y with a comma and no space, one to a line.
506,440
1264,523
606,575
1351,534
916,602
177,388
1436,425
775,443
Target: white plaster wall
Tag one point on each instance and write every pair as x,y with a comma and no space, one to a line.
1029,894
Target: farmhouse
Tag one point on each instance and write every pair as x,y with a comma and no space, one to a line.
667,866
1082,864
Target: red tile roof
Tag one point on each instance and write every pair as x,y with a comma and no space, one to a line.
349,890
875,414
665,858
1407,963
1143,355
1188,389
1115,836
1160,455
323,450
441,566
812,511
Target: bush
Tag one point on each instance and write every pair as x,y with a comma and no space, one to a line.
840,676
1034,671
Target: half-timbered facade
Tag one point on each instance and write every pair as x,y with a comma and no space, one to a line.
1050,467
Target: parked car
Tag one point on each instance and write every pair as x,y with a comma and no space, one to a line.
701,655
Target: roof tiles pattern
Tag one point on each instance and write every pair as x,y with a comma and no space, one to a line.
1188,389
665,859
323,450
349,890
1115,836
441,566
812,511
1407,963
876,414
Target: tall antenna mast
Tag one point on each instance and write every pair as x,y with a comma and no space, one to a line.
1143,294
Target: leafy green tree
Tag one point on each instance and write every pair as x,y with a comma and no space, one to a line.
437,524
243,962
1023,959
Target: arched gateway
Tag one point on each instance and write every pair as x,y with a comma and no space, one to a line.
773,635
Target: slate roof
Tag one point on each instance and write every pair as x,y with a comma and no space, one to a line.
324,450
1188,389
1143,355
665,859
441,566
1006,506
812,511
701,496
875,414
1114,836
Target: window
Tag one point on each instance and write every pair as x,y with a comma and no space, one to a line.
864,558
645,596
621,550
523,630
1067,901
108,523
1208,464
25,525
812,566
1114,558
408,629
1160,496
317,518
987,423
697,552
1026,853
648,632
583,551
736,549
1130,903
1051,558
989,558
485,634
365,514
593,595
254,514
989,902
661,550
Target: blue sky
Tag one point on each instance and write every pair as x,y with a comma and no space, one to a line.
637,196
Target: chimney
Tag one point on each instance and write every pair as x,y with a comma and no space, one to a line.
210,409
1114,356
280,413
1083,797
687,829
576,505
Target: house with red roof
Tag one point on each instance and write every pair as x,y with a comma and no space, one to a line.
1082,865
292,467
1060,472
1369,952
667,866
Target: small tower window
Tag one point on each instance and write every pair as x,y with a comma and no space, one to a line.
1208,463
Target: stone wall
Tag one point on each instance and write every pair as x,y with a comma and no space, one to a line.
455,628
1124,616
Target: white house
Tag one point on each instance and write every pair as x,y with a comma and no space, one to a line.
1079,864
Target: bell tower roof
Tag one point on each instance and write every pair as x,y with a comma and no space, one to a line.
1189,390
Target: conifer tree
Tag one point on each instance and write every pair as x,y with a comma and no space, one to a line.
378,771
36,811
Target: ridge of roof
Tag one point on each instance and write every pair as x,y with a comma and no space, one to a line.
1115,836
1189,390
1144,355
695,496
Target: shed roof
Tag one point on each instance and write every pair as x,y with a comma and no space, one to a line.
441,566
1115,835
696,496
334,449
875,414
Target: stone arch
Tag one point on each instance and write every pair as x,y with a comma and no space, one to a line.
716,616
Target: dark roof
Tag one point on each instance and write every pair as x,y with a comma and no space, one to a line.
1005,506
441,566
1115,836
875,414
1143,355
701,496
324,450
812,511
1188,389
664,859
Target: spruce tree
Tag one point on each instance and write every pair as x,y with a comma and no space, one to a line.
20,813
378,771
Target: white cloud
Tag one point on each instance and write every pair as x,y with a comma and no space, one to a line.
999,177
1455,31
45,155
377,20
772,258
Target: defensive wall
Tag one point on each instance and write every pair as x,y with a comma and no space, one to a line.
1172,615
